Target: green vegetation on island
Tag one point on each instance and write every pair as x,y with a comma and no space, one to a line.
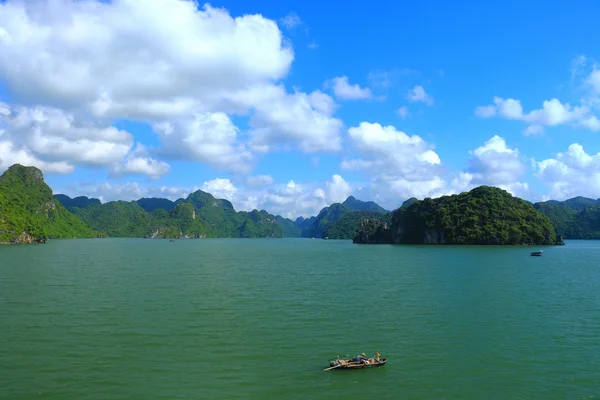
341,220
200,215
77,202
151,204
576,218
484,216
30,214
290,228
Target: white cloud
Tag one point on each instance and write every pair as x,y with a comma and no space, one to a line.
260,180
403,112
337,190
56,141
346,91
162,61
297,118
209,138
139,162
495,164
220,188
53,135
553,111
418,94
396,164
571,174
10,154
291,20
135,59
384,144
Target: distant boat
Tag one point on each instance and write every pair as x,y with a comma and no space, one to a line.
338,363
172,240
537,253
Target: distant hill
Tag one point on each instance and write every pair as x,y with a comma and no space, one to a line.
409,202
290,228
576,218
484,216
151,204
357,205
77,202
30,214
341,220
576,203
347,226
198,215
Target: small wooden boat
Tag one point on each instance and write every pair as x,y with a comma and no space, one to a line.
339,363
537,253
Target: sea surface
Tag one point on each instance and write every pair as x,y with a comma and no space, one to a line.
260,318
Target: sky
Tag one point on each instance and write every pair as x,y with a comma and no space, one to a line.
292,106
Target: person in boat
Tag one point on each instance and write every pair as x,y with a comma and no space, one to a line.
361,358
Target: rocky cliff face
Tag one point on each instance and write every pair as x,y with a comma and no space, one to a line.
373,231
25,238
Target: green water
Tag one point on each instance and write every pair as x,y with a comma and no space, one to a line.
258,319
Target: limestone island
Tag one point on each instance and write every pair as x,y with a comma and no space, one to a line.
483,216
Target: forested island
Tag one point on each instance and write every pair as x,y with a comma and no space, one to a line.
484,216
30,213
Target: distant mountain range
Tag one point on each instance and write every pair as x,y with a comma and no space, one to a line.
576,218
337,221
28,211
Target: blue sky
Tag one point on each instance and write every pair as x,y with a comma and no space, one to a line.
263,110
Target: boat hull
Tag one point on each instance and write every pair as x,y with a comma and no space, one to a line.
349,364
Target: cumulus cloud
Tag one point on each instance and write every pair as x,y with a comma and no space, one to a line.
56,141
397,165
220,188
572,173
418,94
495,164
346,91
139,162
553,111
160,62
133,58
209,138
11,154
379,145
54,135
299,118
337,190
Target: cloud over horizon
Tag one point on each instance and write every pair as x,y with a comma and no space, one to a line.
127,98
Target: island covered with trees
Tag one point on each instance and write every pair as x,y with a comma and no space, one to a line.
484,216
30,213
